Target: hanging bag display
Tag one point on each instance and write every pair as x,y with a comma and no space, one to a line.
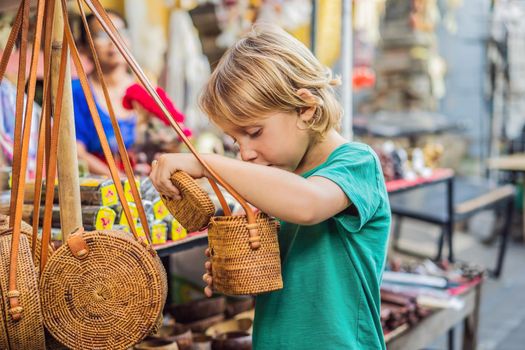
21,321
244,248
103,289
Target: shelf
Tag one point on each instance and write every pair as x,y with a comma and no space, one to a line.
192,240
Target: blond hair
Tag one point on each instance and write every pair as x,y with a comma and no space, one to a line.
262,73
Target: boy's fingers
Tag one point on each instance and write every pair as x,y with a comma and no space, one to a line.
207,265
207,252
208,279
208,292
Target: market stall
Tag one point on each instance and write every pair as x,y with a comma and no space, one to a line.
421,301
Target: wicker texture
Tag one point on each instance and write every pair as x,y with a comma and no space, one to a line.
4,342
27,230
195,209
111,299
28,332
238,269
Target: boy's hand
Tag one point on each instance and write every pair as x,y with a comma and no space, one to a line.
167,164
208,290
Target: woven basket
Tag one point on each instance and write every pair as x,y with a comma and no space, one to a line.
28,332
109,299
195,209
238,269
26,230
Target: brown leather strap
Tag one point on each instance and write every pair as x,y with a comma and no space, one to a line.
38,179
11,42
105,22
117,40
118,135
224,204
20,86
44,137
77,244
14,305
98,124
15,308
53,153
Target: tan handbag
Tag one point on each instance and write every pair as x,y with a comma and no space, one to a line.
245,249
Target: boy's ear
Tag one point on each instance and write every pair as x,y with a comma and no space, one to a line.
307,113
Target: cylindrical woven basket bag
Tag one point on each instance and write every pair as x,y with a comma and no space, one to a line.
243,263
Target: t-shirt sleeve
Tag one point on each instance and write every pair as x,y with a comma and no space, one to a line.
358,175
82,115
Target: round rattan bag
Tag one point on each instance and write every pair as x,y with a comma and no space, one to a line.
195,209
107,295
28,332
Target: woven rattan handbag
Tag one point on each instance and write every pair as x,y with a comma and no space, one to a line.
103,289
245,250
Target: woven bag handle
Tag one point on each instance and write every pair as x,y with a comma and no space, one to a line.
101,15
21,142
100,129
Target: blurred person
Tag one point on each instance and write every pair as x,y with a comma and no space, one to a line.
117,78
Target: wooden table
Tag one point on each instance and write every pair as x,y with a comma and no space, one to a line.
440,322
512,163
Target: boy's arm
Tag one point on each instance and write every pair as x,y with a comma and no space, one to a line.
276,192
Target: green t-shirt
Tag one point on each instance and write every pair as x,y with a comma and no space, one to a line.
332,271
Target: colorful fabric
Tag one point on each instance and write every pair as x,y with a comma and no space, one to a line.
85,128
332,271
136,93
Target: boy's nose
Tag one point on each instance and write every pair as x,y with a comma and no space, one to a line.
247,154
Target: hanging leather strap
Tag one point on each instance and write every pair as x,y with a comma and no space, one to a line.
98,124
105,22
11,42
20,86
145,82
13,294
44,135
53,153
38,177
118,134
224,204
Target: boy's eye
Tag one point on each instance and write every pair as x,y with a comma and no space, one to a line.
256,133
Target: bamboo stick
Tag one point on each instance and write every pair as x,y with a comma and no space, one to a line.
69,192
